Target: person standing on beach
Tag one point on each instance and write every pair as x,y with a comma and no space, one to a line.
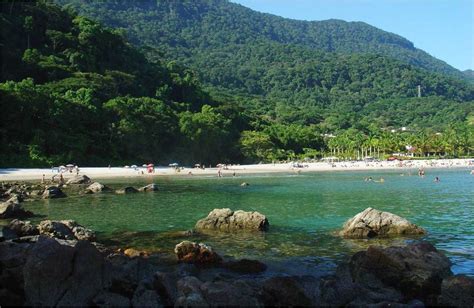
43,180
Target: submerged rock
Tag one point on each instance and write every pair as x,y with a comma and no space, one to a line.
53,192
228,220
96,187
191,252
245,266
457,291
126,190
79,179
149,188
372,223
12,209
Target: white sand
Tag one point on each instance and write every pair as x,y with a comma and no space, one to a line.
20,174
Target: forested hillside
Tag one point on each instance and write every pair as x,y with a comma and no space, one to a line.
73,91
183,29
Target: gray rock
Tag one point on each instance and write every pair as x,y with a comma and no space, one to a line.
23,228
284,291
126,190
12,209
12,259
191,252
189,293
53,192
61,275
457,291
416,270
371,223
65,229
228,220
145,296
109,299
245,266
96,187
230,293
149,188
79,179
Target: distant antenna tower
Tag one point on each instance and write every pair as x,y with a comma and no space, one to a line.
419,90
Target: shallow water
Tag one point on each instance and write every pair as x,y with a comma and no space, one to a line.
303,210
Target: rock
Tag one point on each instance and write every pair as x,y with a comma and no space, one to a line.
133,253
457,291
230,293
96,187
53,192
12,258
36,193
61,275
65,229
416,270
191,252
149,188
245,266
371,223
109,299
165,285
284,291
23,228
228,220
189,293
79,179
12,209
146,297
126,190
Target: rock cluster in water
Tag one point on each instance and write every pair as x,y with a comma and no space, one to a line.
375,223
228,220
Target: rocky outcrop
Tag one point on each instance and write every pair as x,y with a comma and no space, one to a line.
65,229
126,190
284,291
391,275
457,291
95,188
191,252
228,220
23,228
149,188
12,209
53,192
374,223
79,179
62,275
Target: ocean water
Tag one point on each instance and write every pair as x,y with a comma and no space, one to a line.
304,210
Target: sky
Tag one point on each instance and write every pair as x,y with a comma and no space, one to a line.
443,28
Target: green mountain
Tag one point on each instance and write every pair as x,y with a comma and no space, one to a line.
185,28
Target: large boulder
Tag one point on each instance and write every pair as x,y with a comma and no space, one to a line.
457,291
372,223
65,229
149,188
62,275
79,179
284,291
416,270
228,220
95,188
12,209
190,252
23,228
53,192
126,190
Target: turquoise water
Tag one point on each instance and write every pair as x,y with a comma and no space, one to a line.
304,211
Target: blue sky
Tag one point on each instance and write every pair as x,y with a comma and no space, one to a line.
443,28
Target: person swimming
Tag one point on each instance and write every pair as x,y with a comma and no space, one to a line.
437,179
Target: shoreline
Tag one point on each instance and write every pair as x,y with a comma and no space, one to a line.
25,174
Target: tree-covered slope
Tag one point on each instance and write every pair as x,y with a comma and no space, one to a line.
185,28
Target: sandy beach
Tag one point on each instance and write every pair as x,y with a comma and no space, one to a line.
25,174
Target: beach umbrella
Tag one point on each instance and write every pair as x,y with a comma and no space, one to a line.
134,166
174,165
144,165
